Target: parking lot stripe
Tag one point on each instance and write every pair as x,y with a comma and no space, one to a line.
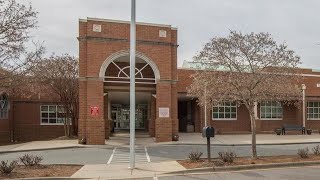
148,157
111,157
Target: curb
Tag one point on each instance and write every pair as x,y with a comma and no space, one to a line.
177,144
245,167
40,149
50,178
258,144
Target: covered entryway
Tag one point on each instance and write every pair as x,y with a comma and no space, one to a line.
117,96
188,114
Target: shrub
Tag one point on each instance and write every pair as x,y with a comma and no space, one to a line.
218,163
30,160
303,153
316,150
195,156
228,156
6,167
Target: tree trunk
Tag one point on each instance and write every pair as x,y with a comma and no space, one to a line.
65,126
68,120
253,133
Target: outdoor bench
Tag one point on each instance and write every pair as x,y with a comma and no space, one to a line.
288,127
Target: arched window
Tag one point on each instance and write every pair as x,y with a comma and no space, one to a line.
4,106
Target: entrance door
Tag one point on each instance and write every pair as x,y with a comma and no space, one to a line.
121,116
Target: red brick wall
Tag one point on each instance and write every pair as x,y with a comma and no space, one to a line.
291,114
27,123
4,131
242,124
96,47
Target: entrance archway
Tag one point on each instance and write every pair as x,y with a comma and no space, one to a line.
115,72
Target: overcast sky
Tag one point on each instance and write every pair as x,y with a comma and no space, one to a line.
296,22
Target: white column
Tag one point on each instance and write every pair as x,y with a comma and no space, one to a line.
303,87
205,105
256,110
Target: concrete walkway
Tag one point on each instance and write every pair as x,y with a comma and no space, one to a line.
121,171
245,139
185,139
41,145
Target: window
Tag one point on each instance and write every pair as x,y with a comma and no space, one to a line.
4,113
313,110
52,115
4,106
225,111
271,110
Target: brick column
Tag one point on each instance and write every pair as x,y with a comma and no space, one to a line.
197,119
174,110
95,125
163,126
82,108
106,117
152,117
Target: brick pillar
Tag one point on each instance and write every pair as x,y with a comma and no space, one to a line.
152,117
174,110
106,116
197,120
94,125
163,126
82,109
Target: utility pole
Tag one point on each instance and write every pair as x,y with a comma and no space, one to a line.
132,83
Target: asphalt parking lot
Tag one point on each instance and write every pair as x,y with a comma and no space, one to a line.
102,155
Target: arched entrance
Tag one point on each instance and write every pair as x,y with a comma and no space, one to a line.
104,79
115,73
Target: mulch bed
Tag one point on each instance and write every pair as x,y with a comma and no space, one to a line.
66,138
246,161
42,171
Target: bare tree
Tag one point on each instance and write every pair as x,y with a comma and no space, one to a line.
60,74
16,22
247,69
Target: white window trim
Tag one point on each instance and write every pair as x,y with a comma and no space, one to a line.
49,124
271,119
312,119
227,119
224,119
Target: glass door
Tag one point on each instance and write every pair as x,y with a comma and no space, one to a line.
120,115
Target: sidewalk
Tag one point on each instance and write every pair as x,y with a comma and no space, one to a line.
41,145
222,140
185,139
121,171
245,139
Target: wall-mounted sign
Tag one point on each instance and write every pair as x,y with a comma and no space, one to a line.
94,110
96,28
164,112
162,33
318,85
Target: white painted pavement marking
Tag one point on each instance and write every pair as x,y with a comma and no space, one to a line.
155,178
121,155
146,150
111,157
